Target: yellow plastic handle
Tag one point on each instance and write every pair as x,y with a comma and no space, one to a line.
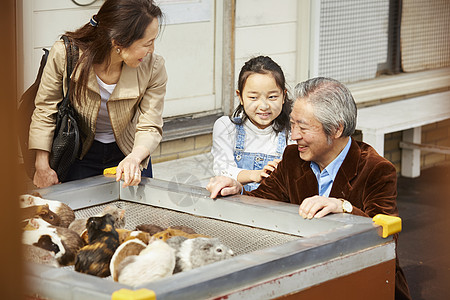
390,224
110,172
125,294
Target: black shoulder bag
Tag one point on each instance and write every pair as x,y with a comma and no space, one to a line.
25,111
66,141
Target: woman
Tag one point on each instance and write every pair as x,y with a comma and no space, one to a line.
117,89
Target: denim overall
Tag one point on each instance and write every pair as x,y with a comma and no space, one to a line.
254,161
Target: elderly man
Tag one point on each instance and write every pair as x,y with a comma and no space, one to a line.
327,171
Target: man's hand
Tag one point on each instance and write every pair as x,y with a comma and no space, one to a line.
319,206
224,186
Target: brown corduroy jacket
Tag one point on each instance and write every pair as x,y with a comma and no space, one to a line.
366,179
135,106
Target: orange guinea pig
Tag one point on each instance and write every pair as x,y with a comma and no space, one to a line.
170,232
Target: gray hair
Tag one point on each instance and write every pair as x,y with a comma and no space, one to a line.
332,103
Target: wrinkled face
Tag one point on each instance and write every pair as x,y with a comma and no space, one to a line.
134,54
308,132
262,99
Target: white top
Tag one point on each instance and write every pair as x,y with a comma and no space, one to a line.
224,140
103,130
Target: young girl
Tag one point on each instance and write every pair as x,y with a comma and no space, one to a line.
248,145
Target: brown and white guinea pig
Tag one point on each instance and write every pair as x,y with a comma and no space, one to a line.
141,235
125,235
128,248
70,240
103,241
64,212
79,225
40,211
169,233
197,252
155,262
38,255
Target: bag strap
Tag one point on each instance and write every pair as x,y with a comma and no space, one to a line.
72,59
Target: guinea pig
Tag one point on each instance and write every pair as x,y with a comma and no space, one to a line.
169,232
103,241
79,225
124,234
45,238
38,255
141,235
64,212
70,240
40,211
175,242
197,252
117,213
150,228
128,248
72,243
155,262
184,229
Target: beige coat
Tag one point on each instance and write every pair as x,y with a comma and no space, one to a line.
135,106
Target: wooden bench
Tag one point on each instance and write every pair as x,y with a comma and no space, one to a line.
408,116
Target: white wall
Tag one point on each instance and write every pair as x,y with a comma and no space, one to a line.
267,27
187,42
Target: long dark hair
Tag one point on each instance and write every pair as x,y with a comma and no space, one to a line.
123,21
264,65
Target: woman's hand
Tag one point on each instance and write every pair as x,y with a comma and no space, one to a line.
128,169
44,175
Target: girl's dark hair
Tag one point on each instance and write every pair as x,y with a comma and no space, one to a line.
264,65
123,21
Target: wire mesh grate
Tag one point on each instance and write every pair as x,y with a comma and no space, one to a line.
240,238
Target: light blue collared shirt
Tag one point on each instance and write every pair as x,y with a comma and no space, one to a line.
327,176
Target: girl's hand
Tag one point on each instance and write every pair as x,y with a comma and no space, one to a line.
247,176
269,168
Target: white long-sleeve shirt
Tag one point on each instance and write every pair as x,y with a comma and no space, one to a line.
224,141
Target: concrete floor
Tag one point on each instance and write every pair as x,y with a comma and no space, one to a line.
424,243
